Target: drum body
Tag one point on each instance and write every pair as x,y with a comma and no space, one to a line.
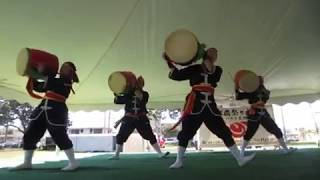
247,81
30,60
121,82
181,46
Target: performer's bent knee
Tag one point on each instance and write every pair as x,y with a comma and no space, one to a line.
228,140
277,132
67,144
120,139
247,137
183,140
29,146
152,139
29,143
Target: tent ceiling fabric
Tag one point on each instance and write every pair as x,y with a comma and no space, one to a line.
277,39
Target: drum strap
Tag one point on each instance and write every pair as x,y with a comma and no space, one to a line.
188,106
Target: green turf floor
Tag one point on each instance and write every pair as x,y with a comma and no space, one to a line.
268,165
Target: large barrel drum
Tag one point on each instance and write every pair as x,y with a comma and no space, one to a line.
30,60
247,81
121,82
181,46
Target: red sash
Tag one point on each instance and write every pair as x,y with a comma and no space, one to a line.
135,115
188,106
54,97
256,105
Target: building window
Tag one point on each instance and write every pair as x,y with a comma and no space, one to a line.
96,131
74,131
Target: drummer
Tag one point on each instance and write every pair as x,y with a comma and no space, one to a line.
200,105
135,118
257,114
51,114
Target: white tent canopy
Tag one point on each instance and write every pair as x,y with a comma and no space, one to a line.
277,39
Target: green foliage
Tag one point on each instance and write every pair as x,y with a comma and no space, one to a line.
12,111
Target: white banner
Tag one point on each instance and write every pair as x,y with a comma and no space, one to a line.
236,120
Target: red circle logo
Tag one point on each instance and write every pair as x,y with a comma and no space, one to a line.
238,129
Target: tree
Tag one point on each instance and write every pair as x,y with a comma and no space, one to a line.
11,111
4,116
175,114
23,112
155,115
168,132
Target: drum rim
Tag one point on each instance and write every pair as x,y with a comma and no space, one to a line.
249,90
123,90
190,59
22,55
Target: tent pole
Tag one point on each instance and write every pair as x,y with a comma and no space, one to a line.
283,125
109,116
315,124
104,122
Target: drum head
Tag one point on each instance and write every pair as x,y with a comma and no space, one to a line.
22,62
181,46
249,82
117,82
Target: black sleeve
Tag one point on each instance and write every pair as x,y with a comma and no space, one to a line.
38,86
168,60
46,83
241,95
217,75
183,74
121,99
266,93
145,97
52,82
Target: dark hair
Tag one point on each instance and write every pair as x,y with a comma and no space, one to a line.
140,79
261,80
205,56
71,65
75,77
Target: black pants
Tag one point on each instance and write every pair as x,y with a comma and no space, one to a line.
143,127
265,120
214,123
54,120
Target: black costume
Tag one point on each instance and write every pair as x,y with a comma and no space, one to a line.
135,117
200,106
51,114
257,114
